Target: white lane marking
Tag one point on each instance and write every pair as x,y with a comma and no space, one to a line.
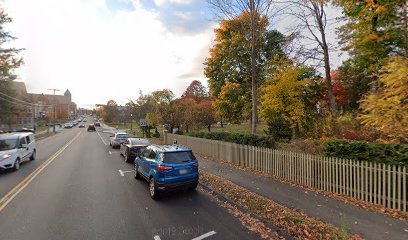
110,152
205,235
156,237
101,138
122,173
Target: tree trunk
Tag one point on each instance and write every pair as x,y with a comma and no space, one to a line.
332,99
209,127
253,63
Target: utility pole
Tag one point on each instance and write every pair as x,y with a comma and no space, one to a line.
53,105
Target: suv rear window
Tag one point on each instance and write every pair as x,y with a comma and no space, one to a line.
178,157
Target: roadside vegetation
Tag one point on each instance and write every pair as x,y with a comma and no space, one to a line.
291,97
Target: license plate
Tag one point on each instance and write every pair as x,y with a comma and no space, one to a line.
183,171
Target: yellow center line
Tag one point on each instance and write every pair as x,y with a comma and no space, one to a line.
4,201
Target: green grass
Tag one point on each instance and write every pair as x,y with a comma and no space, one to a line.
243,128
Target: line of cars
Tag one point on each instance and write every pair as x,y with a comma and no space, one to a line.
164,167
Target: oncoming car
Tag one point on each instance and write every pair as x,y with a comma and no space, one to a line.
167,168
16,148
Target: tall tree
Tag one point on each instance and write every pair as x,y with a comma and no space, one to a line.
9,62
312,17
230,9
195,91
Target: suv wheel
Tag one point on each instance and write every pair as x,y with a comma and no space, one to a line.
17,165
32,158
137,174
154,193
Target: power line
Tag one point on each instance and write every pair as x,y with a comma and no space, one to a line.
21,104
24,102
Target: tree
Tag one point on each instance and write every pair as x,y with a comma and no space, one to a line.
186,108
386,110
161,102
112,111
282,97
204,114
339,91
374,30
9,62
312,17
230,58
255,9
230,103
195,91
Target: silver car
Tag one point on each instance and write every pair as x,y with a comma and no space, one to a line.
117,139
16,148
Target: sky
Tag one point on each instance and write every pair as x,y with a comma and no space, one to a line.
109,49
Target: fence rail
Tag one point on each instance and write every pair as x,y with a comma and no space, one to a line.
371,182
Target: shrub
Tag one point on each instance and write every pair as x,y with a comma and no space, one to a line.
375,152
252,140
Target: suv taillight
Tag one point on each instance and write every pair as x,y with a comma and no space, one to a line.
164,168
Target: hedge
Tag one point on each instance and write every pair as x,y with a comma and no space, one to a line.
252,140
374,152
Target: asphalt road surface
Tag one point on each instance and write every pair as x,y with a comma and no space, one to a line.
80,188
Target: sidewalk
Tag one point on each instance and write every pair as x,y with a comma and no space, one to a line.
369,225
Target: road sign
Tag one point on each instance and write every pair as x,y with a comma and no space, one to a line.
143,122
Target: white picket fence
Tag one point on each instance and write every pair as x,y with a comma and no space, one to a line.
372,182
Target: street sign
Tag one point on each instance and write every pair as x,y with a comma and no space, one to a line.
143,122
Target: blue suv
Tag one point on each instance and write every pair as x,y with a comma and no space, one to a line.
167,168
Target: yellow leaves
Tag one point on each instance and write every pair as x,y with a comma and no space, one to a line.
386,110
282,95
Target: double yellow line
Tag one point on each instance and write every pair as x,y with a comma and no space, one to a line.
4,201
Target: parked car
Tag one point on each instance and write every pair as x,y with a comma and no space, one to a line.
68,125
133,147
117,139
167,168
91,128
81,125
15,148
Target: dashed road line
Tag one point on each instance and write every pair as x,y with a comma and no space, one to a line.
101,138
206,235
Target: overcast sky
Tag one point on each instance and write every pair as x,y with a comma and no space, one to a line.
109,49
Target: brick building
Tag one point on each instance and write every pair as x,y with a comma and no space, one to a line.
28,114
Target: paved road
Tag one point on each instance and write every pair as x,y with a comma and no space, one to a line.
81,194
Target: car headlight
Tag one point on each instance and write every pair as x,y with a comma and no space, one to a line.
7,155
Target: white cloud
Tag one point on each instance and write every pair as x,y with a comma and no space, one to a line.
98,54
164,2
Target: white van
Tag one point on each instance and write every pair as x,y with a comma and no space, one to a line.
15,148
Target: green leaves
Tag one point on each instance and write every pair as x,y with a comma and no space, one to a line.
364,151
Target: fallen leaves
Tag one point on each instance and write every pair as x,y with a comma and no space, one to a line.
291,221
